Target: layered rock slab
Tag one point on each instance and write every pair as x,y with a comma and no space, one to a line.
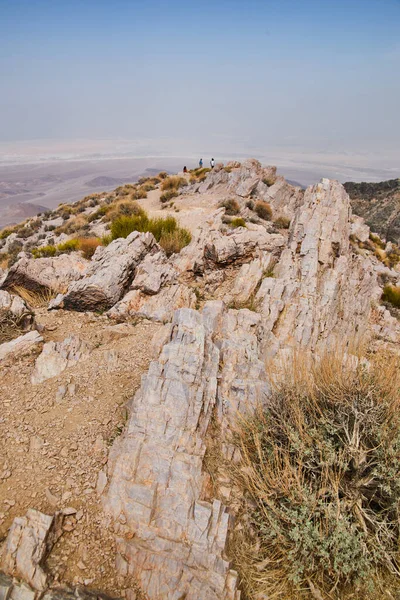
167,537
110,274
46,273
25,548
321,293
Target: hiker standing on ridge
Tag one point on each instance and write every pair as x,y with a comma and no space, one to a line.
212,163
201,163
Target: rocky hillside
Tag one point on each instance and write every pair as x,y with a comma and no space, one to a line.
379,205
138,330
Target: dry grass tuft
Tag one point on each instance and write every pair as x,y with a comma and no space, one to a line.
320,472
36,298
173,242
168,195
231,206
173,183
88,246
12,326
263,210
282,222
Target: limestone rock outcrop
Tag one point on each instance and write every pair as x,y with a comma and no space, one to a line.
57,356
25,548
20,345
178,545
110,274
307,304
22,573
241,243
160,307
153,273
46,273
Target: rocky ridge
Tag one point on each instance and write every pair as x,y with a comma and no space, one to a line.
234,299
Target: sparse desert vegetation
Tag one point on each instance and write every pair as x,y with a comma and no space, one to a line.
263,210
320,471
231,206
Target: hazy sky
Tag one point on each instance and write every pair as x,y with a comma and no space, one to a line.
316,74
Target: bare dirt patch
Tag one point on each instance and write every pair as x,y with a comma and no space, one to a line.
55,437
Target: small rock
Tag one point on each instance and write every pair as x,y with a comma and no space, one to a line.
51,498
60,394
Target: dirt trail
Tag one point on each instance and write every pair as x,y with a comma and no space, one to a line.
190,210
55,437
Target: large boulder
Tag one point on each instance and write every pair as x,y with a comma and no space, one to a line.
38,274
109,275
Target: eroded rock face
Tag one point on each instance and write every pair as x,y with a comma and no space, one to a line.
53,274
160,308
321,293
154,272
110,274
283,197
177,549
57,356
241,244
250,276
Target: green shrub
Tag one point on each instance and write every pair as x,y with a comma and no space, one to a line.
44,251
269,181
68,246
99,213
168,195
391,294
173,242
231,206
282,222
123,208
106,239
320,472
238,222
161,228
5,233
263,210
162,175
377,240
122,226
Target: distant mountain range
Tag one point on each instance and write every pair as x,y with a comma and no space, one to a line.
379,205
19,212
